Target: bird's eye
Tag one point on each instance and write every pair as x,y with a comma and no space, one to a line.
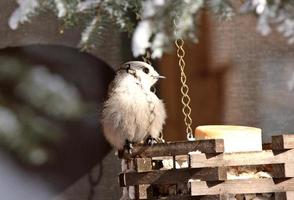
146,70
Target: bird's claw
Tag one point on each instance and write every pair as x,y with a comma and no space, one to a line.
128,146
151,141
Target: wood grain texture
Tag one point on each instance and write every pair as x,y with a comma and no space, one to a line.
141,165
174,148
242,158
143,191
172,176
280,142
188,197
283,170
266,185
284,195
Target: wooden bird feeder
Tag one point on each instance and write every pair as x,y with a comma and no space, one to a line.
205,175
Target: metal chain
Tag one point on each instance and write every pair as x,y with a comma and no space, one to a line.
186,109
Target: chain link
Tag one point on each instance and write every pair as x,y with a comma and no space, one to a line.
186,109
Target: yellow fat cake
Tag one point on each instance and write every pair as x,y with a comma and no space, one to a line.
236,138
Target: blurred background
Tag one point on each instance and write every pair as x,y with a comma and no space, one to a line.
50,134
51,144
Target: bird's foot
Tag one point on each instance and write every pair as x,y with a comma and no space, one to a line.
150,140
128,146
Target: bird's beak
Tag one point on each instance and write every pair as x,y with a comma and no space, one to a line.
158,77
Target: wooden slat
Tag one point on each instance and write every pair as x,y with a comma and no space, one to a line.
242,158
172,176
143,191
266,185
174,148
141,165
284,195
280,142
188,197
285,170
181,159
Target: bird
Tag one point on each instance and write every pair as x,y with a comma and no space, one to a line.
133,113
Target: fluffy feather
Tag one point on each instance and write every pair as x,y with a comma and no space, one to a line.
132,112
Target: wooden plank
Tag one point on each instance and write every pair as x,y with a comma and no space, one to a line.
143,191
280,142
172,176
143,164
174,148
266,185
285,170
284,195
188,197
242,158
182,161
267,146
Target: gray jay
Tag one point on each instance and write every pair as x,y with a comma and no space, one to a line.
132,112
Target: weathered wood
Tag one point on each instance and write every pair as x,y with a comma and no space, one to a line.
267,146
172,176
174,148
188,197
242,158
266,185
285,170
280,142
143,191
141,165
284,195
182,159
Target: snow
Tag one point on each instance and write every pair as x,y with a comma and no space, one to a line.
61,7
22,13
88,4
140,40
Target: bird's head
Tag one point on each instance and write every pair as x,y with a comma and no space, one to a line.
142,71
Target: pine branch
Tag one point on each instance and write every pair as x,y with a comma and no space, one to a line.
26,9
156,18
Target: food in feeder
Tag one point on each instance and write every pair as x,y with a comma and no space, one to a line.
236,138
249,172
167,162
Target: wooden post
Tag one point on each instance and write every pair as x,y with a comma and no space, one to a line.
142,165
285,170
265,185
174,148
242,158
284,195
281,142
